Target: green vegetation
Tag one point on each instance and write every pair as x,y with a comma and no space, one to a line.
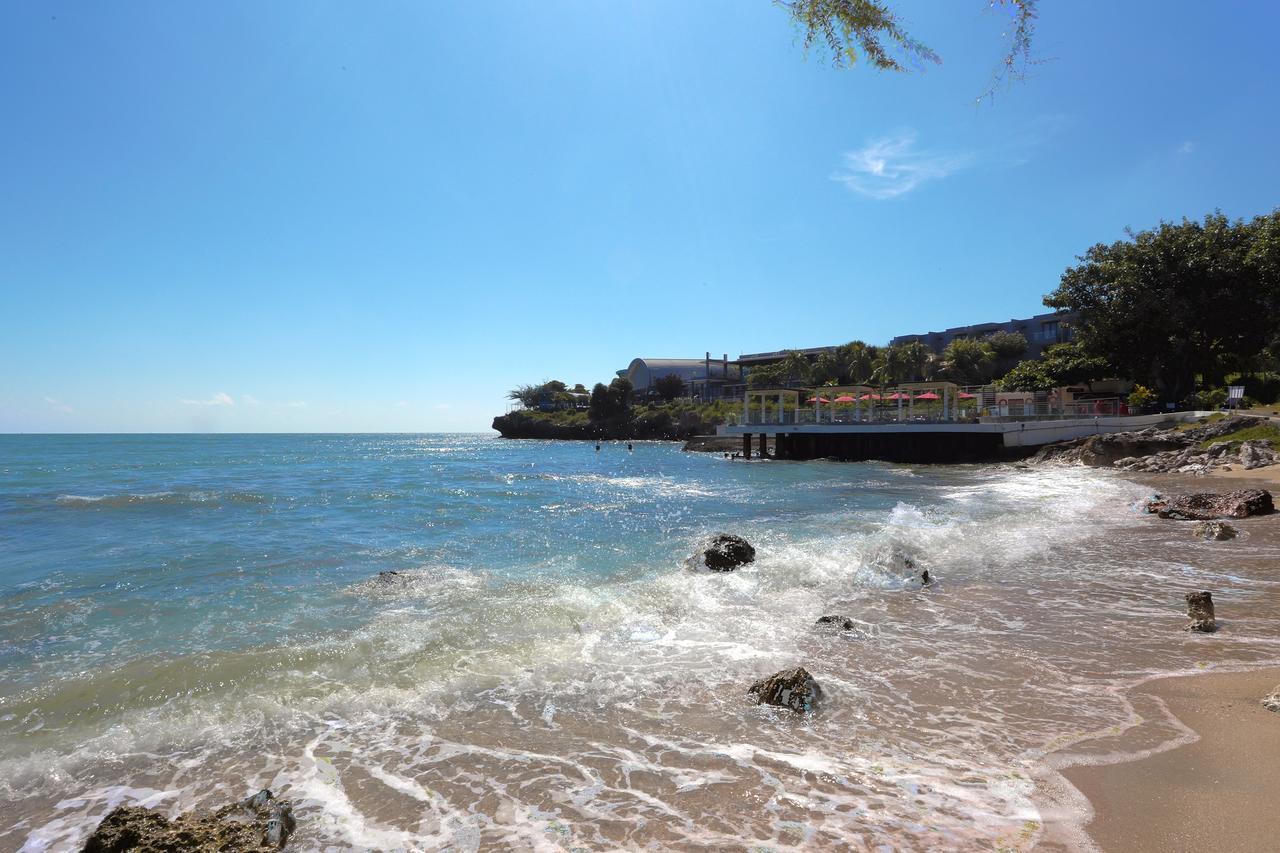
680,419
1181,305
1182,310
1140,396
1208,419
1266,432
669,387
1061,364
853,31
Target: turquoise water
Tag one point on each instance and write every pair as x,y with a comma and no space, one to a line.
187,618
116,548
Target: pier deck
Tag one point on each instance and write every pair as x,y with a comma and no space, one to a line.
937,442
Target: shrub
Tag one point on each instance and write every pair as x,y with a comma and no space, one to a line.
1140,396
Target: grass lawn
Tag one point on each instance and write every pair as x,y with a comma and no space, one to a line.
1270,432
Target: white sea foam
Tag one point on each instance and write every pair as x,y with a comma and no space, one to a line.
607,710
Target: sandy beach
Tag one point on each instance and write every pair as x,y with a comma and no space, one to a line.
1215,791
1265,478
1195,771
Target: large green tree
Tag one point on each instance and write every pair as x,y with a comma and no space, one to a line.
669,387
794,369
1062,364
848,364
969,361
1181,301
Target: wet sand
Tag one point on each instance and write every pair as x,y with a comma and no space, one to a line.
1258,478
1216,792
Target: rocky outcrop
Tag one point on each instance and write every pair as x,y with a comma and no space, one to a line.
1257,453
1168,451
636,425
1200,611
726,552
257,824
722,444
1214,531
792,688
1208,506
1103,451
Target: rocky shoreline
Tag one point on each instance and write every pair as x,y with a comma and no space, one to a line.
652,427
260,823
1166,451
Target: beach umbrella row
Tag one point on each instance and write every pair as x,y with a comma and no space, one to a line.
928,395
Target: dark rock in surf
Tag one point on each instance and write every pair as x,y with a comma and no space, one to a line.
1200,609
792,688
257,824
390,578
925,578
1272,700
838,623
726,552
1208,505
1218,531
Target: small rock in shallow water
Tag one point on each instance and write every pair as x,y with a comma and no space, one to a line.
841,623
1200,609
726,552
1214,530
1272,700
791,688
257,824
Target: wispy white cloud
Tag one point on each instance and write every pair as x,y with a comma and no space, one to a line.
892,166
297,404
222,398
1186,147
59,406
250,400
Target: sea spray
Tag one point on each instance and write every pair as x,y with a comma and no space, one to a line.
542,669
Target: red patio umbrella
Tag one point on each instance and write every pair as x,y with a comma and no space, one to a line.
869,397
928,395
898,396
966,396
818,400
844,398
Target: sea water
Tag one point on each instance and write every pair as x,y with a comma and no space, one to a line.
187,619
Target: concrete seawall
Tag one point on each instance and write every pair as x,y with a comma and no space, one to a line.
941,442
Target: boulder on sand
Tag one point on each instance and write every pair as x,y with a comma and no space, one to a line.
1200,609
256,824
726,552
1257,453
1214,530
791,688
1208,506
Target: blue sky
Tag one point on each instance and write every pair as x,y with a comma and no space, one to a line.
245,216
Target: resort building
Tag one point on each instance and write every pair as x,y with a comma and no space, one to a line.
704,378
1041,331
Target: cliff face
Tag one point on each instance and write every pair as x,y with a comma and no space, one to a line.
633,426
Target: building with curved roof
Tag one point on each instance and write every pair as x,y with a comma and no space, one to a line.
703,377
